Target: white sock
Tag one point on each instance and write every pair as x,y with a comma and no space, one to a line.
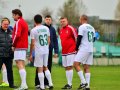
69,76
4,75
87,77
80,73
48,76
23,77
41,79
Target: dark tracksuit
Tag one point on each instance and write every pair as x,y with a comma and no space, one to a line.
6,54
53,45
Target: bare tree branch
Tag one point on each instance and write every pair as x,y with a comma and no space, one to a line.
72,9
46,11
117,11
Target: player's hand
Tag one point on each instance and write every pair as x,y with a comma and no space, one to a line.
13,49
55,55
30,58
76,52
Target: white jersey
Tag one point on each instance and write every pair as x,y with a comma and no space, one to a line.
40,34
88,34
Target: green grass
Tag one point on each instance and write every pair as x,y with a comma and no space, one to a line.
102,78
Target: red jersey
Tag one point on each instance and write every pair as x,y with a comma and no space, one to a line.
68,36
20,34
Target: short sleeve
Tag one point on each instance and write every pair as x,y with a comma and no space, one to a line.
81,30
32,34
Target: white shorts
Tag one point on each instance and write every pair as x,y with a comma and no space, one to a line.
41,60
20,55
84,57
68,60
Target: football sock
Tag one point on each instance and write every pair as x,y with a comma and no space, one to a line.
80,73
69,76
48,76
4,75
23,77
41,79
87,77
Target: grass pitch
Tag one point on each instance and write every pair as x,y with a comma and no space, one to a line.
102,78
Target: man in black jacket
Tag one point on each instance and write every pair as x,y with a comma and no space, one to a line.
6,54
53,45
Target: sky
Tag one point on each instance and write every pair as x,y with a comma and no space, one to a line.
103,8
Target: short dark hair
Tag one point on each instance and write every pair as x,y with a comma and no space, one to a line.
17,11
38,18
5,19
48,16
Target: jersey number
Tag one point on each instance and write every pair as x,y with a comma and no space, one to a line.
43,40
90,36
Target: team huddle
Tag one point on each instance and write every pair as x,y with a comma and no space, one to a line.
77,48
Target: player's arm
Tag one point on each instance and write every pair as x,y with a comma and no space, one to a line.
48,33
79,38
48,40
55,41
94,39
32,44
31,48
17,33
55,45
74,32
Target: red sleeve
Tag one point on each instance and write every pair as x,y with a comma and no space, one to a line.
74,32
17,32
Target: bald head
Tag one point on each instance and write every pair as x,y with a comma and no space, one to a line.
83,19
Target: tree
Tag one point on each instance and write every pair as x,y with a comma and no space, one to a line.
118,36
46,11
72,9
117,11
2,5
95,22
117,16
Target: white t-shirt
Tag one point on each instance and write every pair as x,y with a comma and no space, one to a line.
40,34
88,34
